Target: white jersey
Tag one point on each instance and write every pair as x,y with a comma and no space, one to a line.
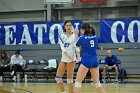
17,60
67,44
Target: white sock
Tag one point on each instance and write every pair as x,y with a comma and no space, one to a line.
14,78
12,73
116,78
91,82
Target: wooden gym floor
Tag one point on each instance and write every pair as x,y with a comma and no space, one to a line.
126,87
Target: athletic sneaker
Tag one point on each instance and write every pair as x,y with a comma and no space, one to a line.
12,73
117,81
14,78
104,81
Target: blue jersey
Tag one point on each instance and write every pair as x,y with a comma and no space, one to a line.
89,46
110,61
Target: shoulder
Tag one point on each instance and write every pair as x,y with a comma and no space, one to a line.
13,56
20,56
95,37
114,56
81,38
106,57
62,35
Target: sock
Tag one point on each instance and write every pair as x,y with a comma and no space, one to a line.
12,73
14,78
116,78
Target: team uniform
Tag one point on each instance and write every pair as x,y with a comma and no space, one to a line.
89,55
110,61
67,44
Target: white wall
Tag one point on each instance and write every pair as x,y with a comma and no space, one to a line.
17,5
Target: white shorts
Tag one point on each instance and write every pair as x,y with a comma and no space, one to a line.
66,59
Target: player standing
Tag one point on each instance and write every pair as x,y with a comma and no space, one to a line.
88,43
67,41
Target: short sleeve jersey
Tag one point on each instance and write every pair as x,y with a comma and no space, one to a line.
110,61
89,45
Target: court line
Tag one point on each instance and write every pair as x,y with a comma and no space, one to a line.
23,90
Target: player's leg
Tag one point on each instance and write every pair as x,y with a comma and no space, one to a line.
95,75
82,71
91,81
100,78
60,71
116,72
1,73
70,71
104,73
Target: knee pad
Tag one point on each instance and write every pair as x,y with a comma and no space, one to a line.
69,81
58,79
97,85
78,84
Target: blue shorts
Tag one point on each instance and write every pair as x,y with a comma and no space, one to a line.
90,62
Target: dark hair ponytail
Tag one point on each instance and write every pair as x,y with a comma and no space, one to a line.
88,30
85,27
92,31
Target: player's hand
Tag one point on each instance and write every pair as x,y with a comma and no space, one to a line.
5,65
76,32
70,56
109,67
78,59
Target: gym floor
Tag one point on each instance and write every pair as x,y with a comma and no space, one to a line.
127,86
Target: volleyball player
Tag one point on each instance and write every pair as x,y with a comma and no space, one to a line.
88,43
67,41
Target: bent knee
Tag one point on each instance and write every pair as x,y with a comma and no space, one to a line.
58,79
116,68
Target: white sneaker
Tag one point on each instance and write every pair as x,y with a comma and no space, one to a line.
12,73
91,82
117,81
104,81
14,78
46,67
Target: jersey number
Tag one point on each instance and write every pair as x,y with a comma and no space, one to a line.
92,43
66,45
